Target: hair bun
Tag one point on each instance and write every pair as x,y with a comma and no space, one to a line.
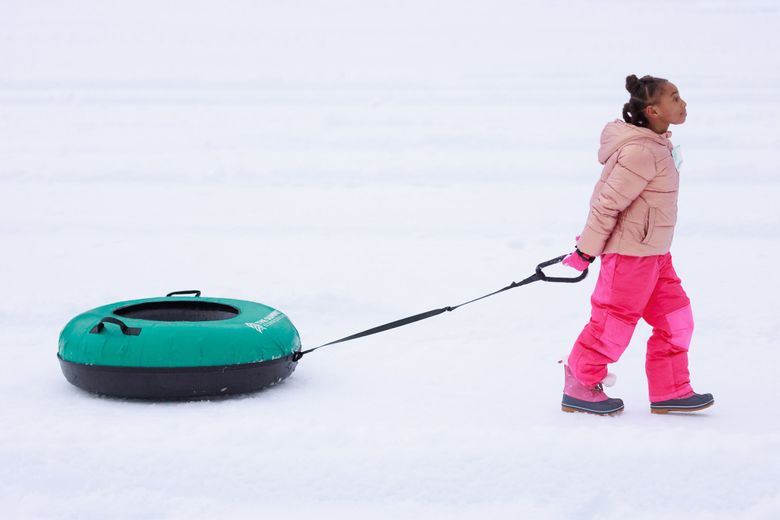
632,84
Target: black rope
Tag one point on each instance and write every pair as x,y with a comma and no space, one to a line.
412,319
538,275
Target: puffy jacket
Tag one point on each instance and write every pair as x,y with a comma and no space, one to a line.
633,209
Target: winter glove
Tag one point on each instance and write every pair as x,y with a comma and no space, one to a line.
578,260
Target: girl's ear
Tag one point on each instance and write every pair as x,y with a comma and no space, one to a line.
651,112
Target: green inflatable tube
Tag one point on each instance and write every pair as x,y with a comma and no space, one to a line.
178,347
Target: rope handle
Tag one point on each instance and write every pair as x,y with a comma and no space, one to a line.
558,279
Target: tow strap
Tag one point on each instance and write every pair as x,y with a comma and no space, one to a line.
538,275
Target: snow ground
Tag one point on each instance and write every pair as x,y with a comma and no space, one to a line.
351,163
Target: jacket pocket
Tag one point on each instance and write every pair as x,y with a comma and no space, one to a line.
649,225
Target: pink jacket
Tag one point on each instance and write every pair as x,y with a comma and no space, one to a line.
633,209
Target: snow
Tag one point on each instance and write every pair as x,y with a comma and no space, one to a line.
352,163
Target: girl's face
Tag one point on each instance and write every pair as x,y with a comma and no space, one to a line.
669,108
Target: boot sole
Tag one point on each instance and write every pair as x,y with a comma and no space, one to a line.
681,410
569,409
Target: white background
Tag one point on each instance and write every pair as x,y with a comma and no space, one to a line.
351,163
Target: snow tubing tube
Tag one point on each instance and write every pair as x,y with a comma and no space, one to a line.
178,347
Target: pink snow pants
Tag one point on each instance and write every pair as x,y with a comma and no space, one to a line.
629,288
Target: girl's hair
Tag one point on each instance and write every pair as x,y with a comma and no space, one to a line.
644,91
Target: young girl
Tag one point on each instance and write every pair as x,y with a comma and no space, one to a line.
633,211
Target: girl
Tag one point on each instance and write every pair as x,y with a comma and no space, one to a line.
633,211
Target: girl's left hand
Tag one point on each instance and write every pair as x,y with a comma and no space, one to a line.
575,261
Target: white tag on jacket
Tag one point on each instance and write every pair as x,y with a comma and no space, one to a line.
677,156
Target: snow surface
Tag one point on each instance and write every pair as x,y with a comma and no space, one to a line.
351,163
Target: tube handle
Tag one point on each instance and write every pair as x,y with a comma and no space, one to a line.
127,331
195,292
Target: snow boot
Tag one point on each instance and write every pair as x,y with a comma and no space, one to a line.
580,398
692,403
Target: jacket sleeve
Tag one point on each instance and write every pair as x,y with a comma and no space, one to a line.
634,169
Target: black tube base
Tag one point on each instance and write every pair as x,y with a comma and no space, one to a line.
185,383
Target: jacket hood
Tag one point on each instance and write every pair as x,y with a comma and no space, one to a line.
618,133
